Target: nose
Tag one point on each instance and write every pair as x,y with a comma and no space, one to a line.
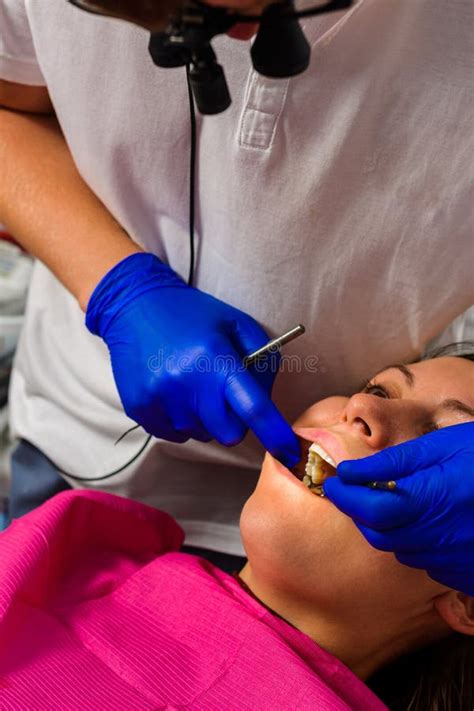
369,417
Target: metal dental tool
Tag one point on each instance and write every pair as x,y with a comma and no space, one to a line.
383,485
274,345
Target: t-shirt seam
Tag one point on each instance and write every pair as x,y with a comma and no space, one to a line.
18,60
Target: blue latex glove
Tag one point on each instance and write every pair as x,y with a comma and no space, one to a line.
428,521
177,355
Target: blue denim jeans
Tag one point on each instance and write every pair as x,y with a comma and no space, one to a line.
34,480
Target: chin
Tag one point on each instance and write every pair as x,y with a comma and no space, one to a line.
277,525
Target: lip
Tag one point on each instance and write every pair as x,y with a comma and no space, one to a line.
327,440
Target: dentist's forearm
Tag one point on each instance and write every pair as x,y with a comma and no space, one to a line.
49,208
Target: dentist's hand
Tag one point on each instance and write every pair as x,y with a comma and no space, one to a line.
428,520
177,355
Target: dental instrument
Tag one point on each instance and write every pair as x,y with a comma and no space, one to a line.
274,345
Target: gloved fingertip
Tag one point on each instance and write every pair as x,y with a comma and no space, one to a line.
282,443
330,486
357,471
344,468
292,451
289,458
349,466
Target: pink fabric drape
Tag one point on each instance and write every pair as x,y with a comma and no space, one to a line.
99,610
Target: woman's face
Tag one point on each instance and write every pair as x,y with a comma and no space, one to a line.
303,544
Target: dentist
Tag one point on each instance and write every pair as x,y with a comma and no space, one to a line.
327,199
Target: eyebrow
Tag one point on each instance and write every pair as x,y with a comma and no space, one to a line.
458,406
406,372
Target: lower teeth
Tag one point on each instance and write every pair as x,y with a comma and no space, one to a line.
317,471
314,488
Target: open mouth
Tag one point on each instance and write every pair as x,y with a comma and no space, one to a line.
315,466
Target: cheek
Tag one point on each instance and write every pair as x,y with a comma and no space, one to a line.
325,412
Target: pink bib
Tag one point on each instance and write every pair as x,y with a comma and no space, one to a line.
99,610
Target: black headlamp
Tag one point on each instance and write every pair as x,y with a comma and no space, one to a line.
279,50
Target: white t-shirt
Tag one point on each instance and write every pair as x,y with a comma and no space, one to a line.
341,199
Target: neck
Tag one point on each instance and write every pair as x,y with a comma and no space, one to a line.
362,638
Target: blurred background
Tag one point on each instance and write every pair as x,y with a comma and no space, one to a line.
15,274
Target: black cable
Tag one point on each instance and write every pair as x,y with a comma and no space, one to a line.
107,476
192,258
192,179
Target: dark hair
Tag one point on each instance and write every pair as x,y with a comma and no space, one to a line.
439,677
462,349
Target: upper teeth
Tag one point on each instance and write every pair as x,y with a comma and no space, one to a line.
316,470
324,455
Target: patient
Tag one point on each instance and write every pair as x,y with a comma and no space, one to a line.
99,610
